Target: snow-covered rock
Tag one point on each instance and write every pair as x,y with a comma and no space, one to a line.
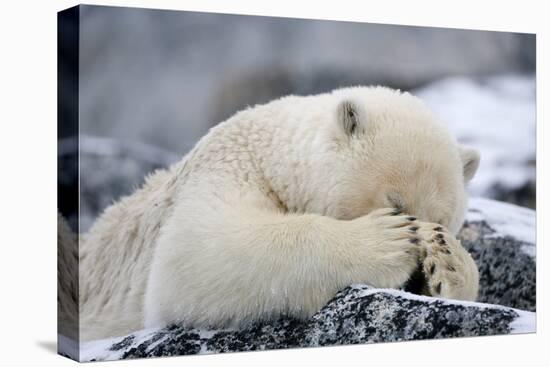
357,314
501,239
499,236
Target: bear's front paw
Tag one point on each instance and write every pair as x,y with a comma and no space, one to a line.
388,247
449,269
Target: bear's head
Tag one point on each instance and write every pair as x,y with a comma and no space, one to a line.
388,150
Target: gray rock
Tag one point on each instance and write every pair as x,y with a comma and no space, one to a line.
499,236
501,239
357,314
109,169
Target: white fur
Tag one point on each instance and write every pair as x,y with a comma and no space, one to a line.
275,210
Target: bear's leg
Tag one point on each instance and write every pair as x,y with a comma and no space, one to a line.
228,267
449,269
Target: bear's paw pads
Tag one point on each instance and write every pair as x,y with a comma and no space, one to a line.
444,266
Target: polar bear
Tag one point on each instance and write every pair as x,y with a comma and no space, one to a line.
278,208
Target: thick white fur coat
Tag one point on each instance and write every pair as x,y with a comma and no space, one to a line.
278,208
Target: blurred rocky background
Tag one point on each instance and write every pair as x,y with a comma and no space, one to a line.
153,82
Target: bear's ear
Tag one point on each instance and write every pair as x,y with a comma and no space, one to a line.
349,117
470,162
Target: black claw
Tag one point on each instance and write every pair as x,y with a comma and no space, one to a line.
415,240
413,229
411,218
438,288
439,235
396,212
438,229
445,251
451,268
442,242
432,269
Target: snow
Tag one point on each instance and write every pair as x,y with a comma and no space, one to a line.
507,220
100,349
495,115
67,346
525,323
